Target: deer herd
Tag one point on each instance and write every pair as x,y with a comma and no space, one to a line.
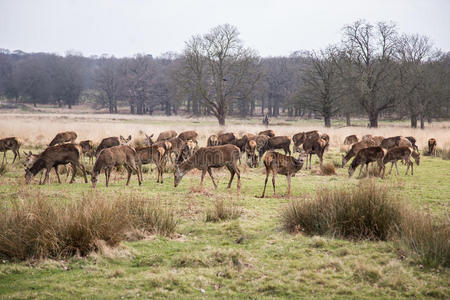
223,150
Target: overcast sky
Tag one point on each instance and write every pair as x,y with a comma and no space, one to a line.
127,27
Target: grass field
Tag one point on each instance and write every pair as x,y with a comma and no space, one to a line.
249,256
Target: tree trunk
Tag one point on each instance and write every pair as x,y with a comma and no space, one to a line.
252,107
413,121
221,119
262,107
327,120
373,120
422,122
347,119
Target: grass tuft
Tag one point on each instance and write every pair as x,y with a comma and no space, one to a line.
222,211
327,169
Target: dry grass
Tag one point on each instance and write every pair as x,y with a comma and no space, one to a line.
222,211
364,212
38,227
328,169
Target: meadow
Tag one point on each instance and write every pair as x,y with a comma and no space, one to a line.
248,254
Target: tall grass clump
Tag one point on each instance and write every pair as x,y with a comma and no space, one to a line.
367,211
38,227
222,211
328,169
426,236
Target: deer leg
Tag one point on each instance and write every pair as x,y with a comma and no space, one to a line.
396,166
232,176
4,156
212,178
274,174
47,171
392,166
360,170
203,176
238,173
57,174
265,182
109,176
382,168
128,174
83,169
288,177
15,155
74,172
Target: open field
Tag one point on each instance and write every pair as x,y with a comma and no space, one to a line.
249,256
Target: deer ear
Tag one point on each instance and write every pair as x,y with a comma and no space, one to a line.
129,137
150,135
121,137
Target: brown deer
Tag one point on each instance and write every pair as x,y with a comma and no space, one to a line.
278,163
166,135
413,142
87,148
240,143
151,154
355,149
351,139
378,140
226,138
402,153
110,157
250,150
367,137
149,139
261,142
64,137
395,141
10,143
277,142
315,146
112,142
269,133
187,150
366,156
211,157
188,135
212,141
30,158
301,137
54,156
432,146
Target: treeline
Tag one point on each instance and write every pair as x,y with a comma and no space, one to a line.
375,71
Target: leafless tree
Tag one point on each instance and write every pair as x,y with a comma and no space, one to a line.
108,80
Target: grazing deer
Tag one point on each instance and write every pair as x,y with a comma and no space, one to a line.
87,148
30,158
278,163
378,140
315,146
366,156
166,135
226,138
301,137
367,137
269,133
211,157
177,146
240,143
110,157
188,135
413,142
432,146
355,149
212,141
402,153
151,154
186,151
10,143
112,142
395,141
351,139
277,142
54,156
250,150
64,137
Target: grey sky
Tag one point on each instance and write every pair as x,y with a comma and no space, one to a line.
126,27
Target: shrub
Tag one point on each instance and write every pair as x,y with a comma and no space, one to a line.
38,227
328,169
222,211
426,236
364,212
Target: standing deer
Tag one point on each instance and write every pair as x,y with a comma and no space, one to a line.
315,146
115,156
250,150
366,156
226,138
64,137
413,142
10,143
112,142
355,149
212,141
277,142
211,157
301,137
54,156
402,153
269,133
432,146
151,154
87,148
166,135
278,163
395,141
188,135
350,140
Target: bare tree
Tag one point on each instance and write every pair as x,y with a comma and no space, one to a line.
219,67
108,80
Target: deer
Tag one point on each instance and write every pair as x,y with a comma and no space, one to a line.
112,142
207,158
87,148
277,163
402,153
149,139
250,150
378,140
226,138
261,142
367,137
166,135
351,139
212,141
395,141
315,146
240,143
187,150
64,137
10,143
269,133
413,142
432,146
355,149
366,156
151,154
301,137
110,157
54,156
277,142
188,135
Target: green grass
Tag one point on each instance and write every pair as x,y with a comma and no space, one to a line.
250,256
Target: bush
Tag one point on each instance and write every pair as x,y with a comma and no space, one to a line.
38,227
222,211
364,212
426,236
327,169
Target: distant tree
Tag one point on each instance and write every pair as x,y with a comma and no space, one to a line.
69,79
138,76
108,80
220,68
